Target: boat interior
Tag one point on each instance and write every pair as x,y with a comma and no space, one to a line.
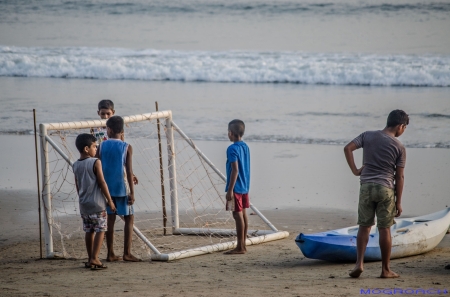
399,227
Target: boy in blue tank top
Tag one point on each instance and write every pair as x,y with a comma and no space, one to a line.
238,183
116,155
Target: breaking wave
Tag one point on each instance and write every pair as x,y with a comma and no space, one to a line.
226,66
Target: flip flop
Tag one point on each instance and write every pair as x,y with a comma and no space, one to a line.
98,267
87,265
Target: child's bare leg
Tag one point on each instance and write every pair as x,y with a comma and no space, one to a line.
127,256
386,245
361,243
89,239
97,244
244,214
110,239
240,229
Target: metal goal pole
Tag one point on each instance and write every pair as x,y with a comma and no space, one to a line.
172,175
48,234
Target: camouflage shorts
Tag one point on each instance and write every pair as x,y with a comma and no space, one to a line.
97,222
379,200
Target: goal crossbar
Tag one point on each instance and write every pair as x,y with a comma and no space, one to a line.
255,236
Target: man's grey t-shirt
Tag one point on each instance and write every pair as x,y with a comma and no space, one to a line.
382,154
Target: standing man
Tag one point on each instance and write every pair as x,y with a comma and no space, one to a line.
384,158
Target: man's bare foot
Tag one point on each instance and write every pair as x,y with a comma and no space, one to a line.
131,258
356,272
113,258
235,252
389,274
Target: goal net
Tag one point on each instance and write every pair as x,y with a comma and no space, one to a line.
180,199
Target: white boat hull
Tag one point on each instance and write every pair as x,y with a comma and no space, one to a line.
410,237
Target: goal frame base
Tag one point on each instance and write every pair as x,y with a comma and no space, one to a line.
208,249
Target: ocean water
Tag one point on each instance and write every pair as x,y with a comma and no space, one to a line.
318,72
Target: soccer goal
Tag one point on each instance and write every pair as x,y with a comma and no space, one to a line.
180,199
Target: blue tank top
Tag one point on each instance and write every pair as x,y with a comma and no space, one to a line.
113,153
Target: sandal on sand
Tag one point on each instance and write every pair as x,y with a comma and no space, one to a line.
87,265
98,267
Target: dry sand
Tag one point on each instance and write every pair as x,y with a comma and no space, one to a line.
272,269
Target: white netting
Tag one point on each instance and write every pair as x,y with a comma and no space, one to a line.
201,195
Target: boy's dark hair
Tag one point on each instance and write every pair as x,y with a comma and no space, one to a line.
106,104
397,117
84,140
115,123
237,127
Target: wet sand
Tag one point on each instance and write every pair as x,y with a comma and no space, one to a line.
274,268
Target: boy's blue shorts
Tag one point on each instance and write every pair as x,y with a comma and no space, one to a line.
122,206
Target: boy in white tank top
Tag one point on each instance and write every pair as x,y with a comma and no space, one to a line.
105,111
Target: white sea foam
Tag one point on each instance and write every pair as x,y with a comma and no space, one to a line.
227,66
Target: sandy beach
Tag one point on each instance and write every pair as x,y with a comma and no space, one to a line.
272,269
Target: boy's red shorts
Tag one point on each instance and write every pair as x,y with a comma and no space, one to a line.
241,201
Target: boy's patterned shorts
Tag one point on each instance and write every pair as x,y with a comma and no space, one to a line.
379,200
97,222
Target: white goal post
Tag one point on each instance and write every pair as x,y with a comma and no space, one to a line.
57,187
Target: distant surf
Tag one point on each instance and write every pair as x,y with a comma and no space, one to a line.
232,7
226,66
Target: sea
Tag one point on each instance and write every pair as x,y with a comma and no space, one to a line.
312,72
303,75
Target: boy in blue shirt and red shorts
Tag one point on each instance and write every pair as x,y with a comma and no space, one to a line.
238,183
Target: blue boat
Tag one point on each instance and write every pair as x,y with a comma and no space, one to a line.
334,246
410,236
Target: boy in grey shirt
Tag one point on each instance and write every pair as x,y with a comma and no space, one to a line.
93,197
384,158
